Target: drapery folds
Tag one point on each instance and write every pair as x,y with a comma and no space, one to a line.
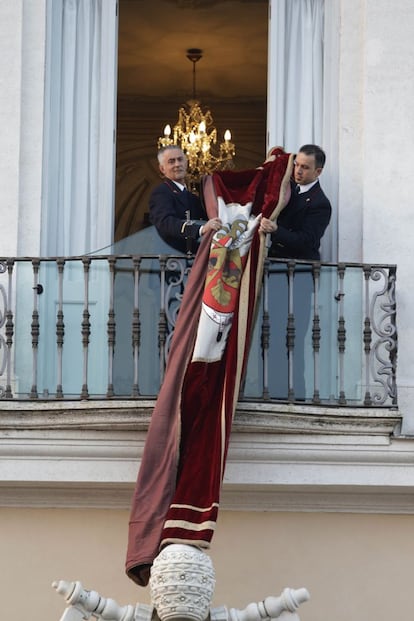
177,494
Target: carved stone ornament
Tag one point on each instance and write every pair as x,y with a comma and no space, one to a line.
182,585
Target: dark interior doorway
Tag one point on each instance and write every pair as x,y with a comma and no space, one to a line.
155,79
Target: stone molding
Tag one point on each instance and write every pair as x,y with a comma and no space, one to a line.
281,457
267,416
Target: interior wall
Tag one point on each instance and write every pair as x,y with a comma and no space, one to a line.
353,565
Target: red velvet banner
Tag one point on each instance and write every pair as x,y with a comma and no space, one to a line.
177,494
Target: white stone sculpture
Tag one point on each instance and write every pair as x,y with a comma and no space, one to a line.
83,604
181,585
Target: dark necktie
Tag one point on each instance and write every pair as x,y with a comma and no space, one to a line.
186,196
297,189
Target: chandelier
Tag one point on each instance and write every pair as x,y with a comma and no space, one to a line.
195,133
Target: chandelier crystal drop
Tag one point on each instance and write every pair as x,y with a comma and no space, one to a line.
195,133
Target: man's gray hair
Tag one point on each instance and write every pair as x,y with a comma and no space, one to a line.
169,147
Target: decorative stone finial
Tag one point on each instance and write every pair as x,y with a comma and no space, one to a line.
82,604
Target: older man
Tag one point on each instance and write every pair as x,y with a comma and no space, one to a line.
178,214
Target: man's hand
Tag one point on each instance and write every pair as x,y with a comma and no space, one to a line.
267,226
211,225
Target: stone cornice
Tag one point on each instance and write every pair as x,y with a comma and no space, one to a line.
265,416
281,457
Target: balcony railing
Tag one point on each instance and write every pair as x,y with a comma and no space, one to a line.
100,326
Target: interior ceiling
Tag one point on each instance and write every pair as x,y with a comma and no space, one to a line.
155,35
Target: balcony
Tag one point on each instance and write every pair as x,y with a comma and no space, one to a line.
98,327
83,346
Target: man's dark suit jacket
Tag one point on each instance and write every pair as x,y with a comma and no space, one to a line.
301,225
167,212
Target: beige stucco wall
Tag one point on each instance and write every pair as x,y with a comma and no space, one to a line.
356,567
